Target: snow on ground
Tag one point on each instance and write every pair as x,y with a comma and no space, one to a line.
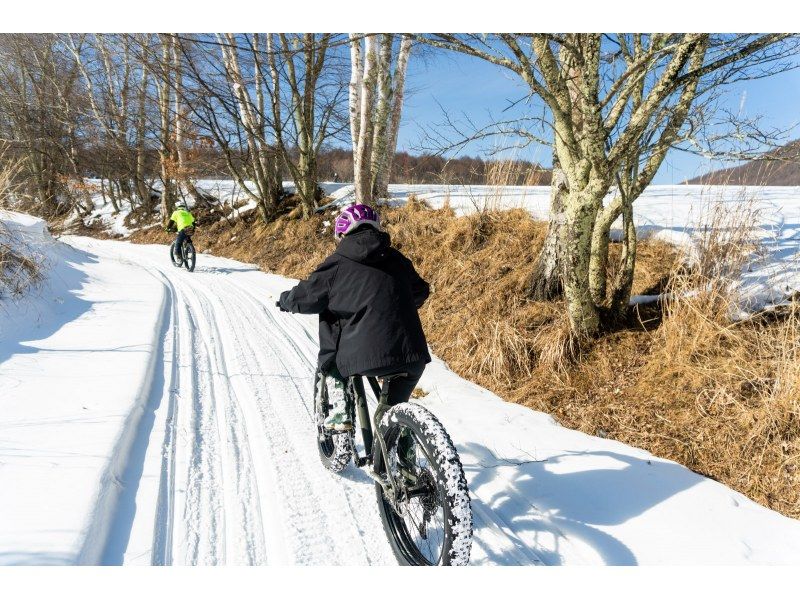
226,191
156,416
76,360
677,214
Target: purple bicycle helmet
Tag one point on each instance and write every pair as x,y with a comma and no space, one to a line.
352,217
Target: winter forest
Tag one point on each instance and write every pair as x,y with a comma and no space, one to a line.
616,361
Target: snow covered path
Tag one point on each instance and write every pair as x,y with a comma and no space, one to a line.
231,470
218,462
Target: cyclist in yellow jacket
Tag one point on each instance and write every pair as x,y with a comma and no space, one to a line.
181,219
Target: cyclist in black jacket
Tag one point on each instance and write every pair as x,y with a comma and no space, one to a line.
367,295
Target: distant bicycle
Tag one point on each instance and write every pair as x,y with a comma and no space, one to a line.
185,255
421,488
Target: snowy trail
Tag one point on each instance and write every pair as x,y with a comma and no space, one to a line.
240,478
213,458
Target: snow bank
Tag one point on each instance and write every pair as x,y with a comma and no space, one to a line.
24,243
75,367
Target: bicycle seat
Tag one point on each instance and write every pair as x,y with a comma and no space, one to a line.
389,377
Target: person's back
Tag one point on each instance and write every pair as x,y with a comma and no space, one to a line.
182,220
182,217
367,294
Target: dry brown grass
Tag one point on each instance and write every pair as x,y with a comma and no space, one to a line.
732,386
719,395
20,266
680,380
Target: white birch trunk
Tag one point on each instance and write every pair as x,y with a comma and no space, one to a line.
382,112
356,75
165,134
363,179
382,183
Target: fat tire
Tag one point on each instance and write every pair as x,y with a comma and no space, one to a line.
189,255
450,482
177,260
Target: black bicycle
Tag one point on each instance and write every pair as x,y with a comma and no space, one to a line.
419,481
185,255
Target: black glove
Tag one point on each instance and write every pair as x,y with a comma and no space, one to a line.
279,306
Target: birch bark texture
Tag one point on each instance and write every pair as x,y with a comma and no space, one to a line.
376,95
616,103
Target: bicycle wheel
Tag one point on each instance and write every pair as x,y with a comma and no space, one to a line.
175,255
431,521
189,255
335,448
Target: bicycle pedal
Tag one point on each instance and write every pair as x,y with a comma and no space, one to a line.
339,428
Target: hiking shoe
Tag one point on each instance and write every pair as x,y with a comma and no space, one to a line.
338,419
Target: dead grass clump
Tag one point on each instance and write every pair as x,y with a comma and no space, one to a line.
729,389
20,265
556,345
488,335
702,293
730,395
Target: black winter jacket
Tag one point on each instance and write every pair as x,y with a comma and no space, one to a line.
366,294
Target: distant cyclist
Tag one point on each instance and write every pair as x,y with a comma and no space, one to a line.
366,294
180,220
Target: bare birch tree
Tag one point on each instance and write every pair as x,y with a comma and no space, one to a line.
617,104
40,110
376,100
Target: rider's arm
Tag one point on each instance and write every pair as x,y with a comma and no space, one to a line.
310,296
419,288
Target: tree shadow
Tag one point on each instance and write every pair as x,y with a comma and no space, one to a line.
548,507
34,320
36,558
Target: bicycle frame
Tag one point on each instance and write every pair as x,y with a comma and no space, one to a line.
358,395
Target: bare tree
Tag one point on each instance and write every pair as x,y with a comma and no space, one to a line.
226,101
39,109
307,84
374,123
617,104
117,97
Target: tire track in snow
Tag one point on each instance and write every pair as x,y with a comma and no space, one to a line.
161,552
201,520
238,475
310,493
493,529
244,536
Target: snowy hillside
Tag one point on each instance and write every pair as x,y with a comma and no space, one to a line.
678,214
156,416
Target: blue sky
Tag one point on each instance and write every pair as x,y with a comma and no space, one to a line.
469,87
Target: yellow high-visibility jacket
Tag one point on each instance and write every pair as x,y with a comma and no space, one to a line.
182,218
